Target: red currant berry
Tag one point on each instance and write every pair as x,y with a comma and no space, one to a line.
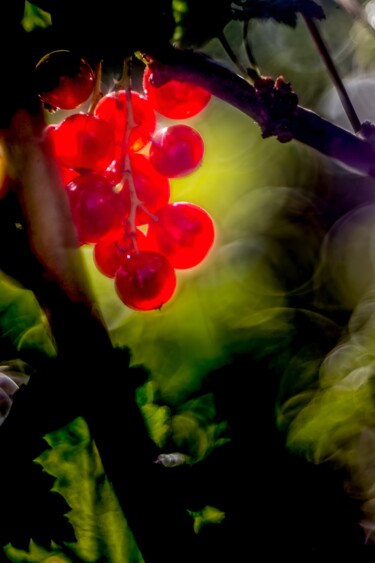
83,142
67,174
152,189
175,99
97,209
112,108
109,253
64,80
183,232
145,280
176,151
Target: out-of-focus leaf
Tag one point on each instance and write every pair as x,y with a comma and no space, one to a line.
157,417
36,554
35,17
208,515
33,510
194,429
196,440
22,322
327,424
36,338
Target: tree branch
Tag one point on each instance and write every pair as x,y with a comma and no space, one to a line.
302,124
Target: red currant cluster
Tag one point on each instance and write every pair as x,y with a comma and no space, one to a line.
117,164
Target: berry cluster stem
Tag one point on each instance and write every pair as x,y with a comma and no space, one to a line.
97,92
126,83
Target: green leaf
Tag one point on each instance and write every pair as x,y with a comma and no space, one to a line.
157,417
23,325
36,554
209,515
34,17
332,418
100,527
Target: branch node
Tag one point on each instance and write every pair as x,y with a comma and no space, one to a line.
280,103
367,132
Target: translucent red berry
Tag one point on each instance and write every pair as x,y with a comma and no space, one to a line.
175,99
110,252
84,142
183,232
152,189
176,151
97,209
64,80
113,109
145,280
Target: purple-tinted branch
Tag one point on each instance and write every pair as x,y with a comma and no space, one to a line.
286,121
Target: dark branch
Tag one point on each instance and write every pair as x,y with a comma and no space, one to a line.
305,125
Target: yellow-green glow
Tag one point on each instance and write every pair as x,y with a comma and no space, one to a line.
241,184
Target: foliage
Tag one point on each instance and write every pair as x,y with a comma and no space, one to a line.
35,17
100,529
209,515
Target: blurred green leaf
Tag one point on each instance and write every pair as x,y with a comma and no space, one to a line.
23,325
35,17
36,554
208,515
157,417
324,428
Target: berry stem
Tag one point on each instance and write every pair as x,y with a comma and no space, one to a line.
97,92
134,201
333,73
125,82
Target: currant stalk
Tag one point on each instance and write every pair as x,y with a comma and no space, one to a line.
97,93
135,202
